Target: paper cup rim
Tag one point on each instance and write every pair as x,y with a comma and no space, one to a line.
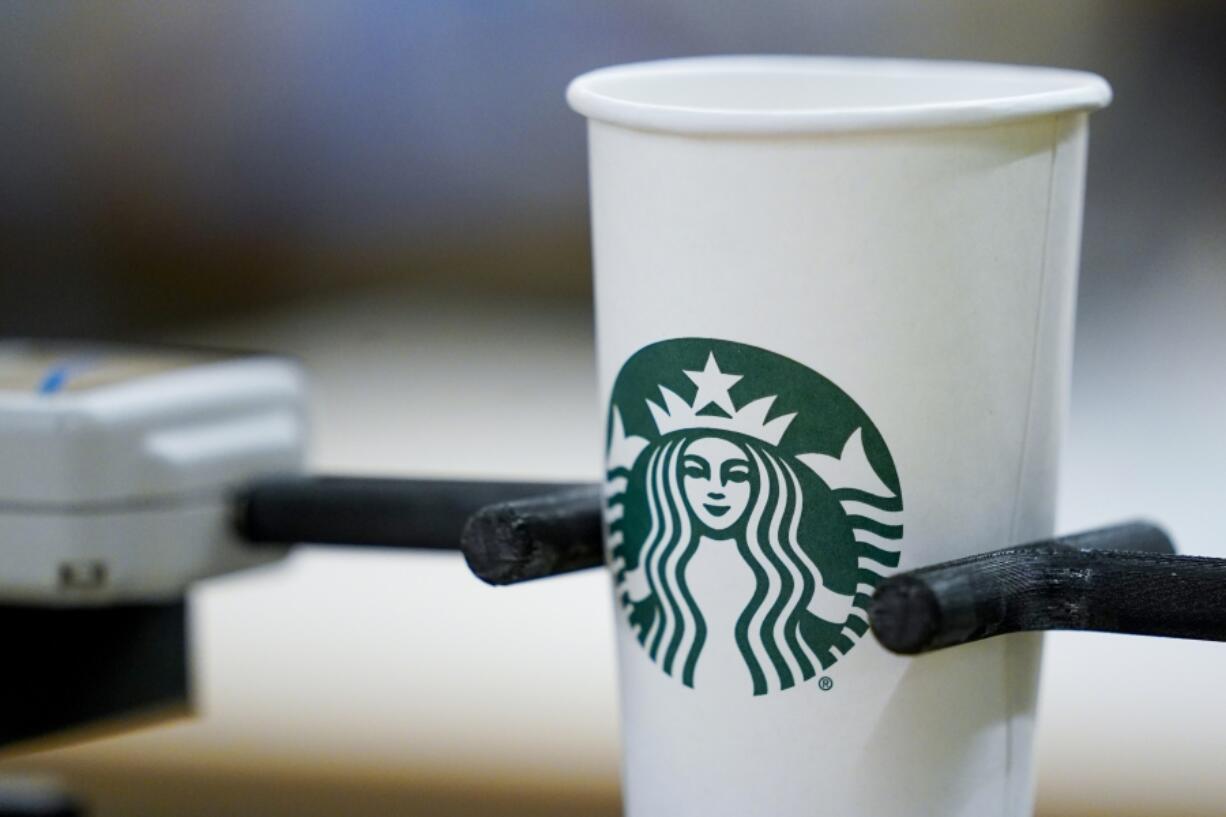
1002,93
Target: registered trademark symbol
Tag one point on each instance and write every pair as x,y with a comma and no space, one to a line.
825,683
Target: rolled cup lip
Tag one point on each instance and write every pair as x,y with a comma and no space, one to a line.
1014,92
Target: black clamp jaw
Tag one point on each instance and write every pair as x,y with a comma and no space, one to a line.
1119,579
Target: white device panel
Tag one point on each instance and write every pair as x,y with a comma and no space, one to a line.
117,466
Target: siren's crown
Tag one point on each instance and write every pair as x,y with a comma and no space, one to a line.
713,386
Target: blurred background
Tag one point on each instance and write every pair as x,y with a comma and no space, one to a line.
396,193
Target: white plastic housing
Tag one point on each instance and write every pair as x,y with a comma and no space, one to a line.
117,465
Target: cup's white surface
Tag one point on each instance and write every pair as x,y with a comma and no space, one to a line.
910,232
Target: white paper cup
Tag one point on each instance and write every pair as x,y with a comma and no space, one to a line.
834,308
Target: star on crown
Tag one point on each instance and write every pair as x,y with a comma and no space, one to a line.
713,386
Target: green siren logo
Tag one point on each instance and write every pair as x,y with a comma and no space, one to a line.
752,508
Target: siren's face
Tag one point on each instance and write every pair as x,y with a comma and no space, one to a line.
715,478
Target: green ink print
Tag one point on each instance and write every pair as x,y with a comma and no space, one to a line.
711,443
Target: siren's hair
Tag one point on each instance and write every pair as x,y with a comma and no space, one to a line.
678,630
768,630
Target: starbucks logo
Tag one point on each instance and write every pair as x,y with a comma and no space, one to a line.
752,508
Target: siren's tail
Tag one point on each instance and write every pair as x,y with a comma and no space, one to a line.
875,521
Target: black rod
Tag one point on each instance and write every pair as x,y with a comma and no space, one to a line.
370,511
1122,579
536,537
